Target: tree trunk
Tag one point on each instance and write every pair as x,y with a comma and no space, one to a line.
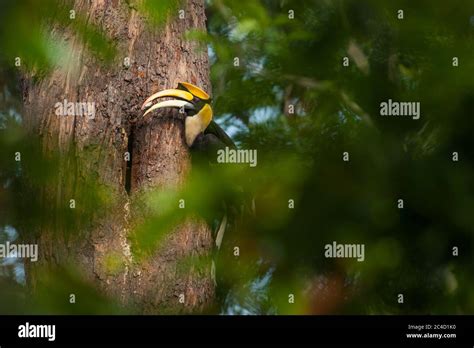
97,147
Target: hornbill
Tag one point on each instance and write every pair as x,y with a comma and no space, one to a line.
202,134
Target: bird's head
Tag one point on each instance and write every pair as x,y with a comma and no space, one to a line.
189,98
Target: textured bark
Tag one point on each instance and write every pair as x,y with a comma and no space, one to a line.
160,159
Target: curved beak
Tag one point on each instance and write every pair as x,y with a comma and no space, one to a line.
180,94
175,103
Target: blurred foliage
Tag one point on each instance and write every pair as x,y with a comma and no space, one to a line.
157,12
28,204
290,53
285,61
25,33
